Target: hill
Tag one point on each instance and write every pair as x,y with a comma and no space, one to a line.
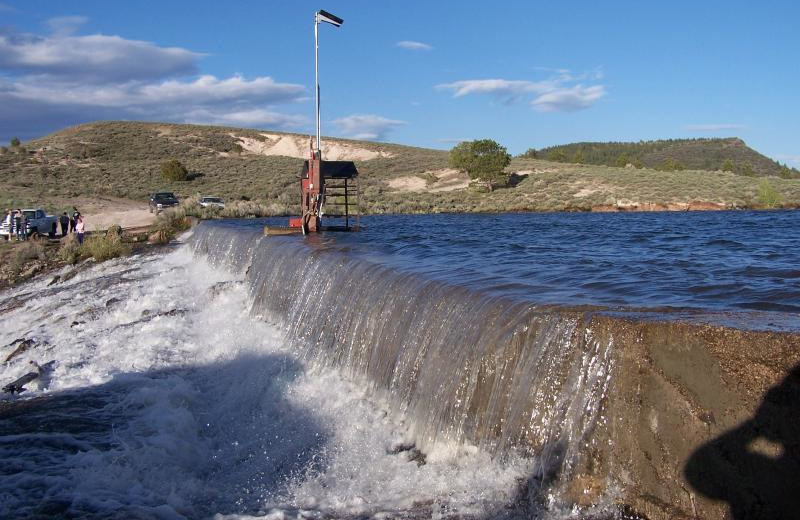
730,154
121,160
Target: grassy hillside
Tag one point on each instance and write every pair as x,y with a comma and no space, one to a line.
674,154
122,159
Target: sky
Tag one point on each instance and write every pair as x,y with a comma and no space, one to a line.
527,74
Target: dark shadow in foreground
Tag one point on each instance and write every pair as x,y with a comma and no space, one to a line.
755,467
194,441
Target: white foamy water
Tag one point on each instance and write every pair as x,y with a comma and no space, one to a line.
163,398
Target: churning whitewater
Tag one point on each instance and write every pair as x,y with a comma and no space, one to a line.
164,394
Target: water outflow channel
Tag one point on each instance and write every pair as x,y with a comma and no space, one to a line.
240,377
461,367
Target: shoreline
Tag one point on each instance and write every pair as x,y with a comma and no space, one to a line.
47,260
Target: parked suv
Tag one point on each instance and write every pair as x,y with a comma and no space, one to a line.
162,200
212,202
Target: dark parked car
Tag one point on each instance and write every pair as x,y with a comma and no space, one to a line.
162,200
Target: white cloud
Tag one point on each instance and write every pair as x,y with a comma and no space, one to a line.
245,118
715,127
202,91
65,25
555,94
506,90
569,99
414,46
207,89
94,57
47,82
366,126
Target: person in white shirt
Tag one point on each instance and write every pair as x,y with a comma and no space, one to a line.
80,228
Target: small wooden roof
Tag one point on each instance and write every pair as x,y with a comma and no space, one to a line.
334,169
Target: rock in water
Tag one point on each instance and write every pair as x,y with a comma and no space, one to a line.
24,344
18,385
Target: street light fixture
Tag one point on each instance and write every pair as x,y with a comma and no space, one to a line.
321,16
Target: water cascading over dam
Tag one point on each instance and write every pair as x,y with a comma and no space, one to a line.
462,366
609,407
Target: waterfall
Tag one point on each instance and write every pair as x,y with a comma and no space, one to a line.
465,367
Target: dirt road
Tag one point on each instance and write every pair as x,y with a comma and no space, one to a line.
100,213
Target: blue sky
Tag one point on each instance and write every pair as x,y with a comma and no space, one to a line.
423,73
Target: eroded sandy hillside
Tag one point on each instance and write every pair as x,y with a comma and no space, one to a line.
299,147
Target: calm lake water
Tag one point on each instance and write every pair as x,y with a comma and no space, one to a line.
719,261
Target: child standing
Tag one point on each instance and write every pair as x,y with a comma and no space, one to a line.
80,227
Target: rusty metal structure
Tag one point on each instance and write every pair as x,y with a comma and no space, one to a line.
327,188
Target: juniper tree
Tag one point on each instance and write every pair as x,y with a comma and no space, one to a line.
483,160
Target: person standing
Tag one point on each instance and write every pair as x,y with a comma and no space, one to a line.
8,220
80,228
23,225
12,229
72,222
63,220
18,229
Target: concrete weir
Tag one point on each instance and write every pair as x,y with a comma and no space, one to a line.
704,421
656,418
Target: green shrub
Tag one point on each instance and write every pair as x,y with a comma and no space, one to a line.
727,166
105,247
622,160
768,196
169,223
15,142
21,258
671,165
70,251
430,178
254,209
99,247
114,230
26,252
173,170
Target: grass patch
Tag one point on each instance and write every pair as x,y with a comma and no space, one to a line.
768,196
101,247
70,251
168,224
105,247
25,253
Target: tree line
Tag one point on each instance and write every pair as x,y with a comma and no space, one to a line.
730,154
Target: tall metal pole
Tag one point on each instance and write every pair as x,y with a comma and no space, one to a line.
316,73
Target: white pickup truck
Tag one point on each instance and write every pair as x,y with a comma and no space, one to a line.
39,223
